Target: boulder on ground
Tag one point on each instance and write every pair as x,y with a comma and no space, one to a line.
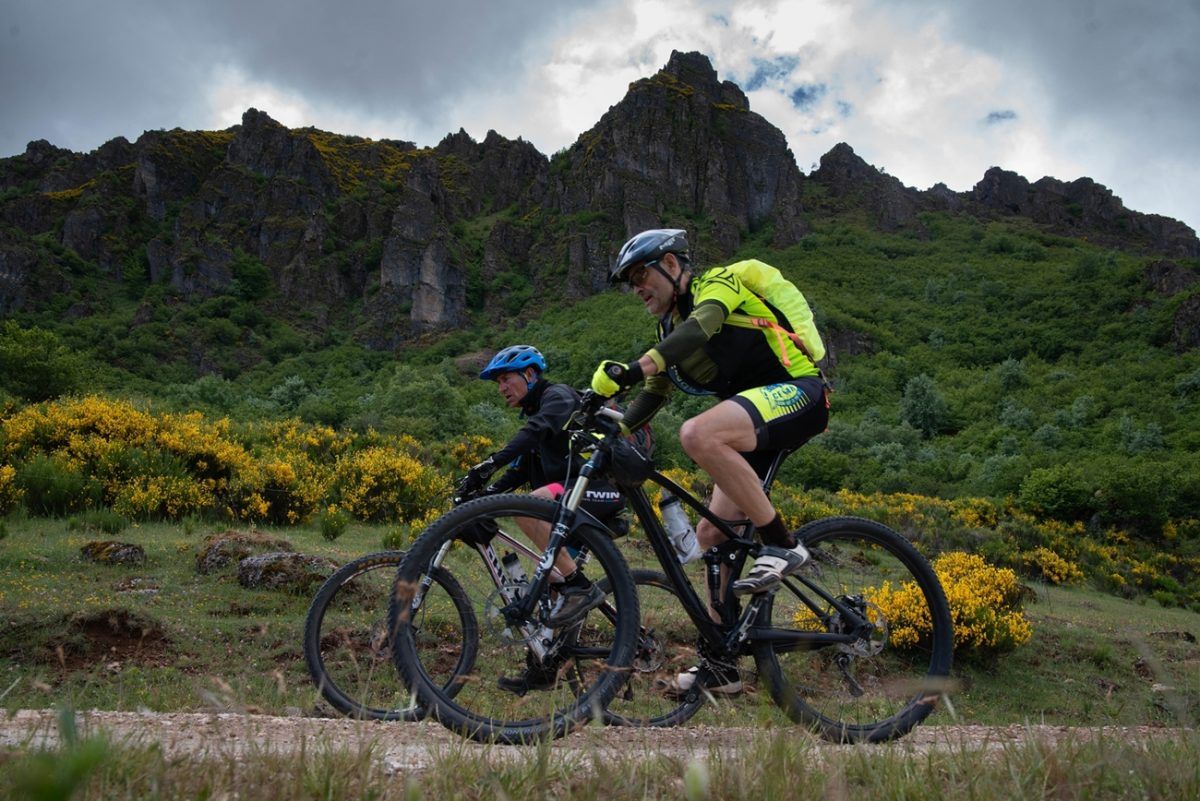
284,570
111,552
227,547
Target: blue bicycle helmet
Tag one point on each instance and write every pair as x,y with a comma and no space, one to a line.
648,246
514,358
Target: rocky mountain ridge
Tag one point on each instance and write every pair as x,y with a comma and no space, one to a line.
407,238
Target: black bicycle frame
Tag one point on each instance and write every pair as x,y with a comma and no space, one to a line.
725,637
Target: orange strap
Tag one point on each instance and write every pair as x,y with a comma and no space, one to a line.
780,331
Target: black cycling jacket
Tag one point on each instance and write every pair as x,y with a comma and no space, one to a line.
538,453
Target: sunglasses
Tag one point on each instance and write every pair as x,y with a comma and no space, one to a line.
638,276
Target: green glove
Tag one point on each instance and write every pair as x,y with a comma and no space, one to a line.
612,377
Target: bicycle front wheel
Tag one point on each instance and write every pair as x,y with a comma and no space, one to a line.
346,645
864,580
529,681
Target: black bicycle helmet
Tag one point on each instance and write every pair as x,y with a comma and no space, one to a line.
648,246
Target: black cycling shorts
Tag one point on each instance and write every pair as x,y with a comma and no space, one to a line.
785,416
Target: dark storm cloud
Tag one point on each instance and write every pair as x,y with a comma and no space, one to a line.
1129,66
78,72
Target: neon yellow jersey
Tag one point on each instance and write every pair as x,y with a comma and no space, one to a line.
703,346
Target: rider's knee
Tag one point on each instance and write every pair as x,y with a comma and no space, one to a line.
546,492
692,437
708,535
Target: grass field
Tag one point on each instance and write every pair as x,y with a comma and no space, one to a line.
161,636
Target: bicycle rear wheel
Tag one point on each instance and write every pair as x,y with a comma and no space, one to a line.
576,670
346,645
890,678
666,646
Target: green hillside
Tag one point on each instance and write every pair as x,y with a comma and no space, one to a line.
984,359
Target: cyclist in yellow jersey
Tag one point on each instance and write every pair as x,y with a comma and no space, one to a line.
771,394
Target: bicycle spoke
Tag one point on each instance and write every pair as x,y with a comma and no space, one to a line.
527,680
880,682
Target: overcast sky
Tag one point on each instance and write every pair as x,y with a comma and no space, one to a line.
928,90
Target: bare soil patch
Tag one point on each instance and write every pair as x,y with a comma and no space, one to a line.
109,636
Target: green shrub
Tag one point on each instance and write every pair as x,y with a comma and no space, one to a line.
35,365
923,407
333,522
1139,496
396,538
251,278
1060,492
52,485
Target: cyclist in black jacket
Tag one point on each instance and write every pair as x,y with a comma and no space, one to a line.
539,456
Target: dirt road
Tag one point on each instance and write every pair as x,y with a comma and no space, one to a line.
413,746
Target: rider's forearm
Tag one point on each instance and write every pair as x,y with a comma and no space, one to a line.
512,479
643,407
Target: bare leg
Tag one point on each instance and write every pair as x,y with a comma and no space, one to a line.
716,440
709,535
538,532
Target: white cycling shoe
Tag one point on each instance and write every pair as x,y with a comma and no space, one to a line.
730,681
772,564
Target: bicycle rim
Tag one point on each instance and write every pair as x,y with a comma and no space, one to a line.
588,661
891,677
666,646
346,646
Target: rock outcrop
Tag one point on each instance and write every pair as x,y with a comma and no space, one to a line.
850,181
284,570
402,241
682,146
1083,208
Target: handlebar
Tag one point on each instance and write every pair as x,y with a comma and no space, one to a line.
594,413
615,415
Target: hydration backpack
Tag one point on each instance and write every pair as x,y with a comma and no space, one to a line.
794,317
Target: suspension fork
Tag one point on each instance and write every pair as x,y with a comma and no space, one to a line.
427,578
522,609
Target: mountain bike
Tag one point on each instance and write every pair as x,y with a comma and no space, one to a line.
836,650
347,650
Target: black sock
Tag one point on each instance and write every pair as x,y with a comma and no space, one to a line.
776,533
577,579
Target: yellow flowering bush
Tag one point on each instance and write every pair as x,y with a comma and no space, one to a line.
1052,567
283,487
10,494
384,484
985,606
75,422
319,443
694,481
164,466
917,515
470,450
169,497
205,447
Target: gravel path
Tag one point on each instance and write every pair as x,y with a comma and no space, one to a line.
413,746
